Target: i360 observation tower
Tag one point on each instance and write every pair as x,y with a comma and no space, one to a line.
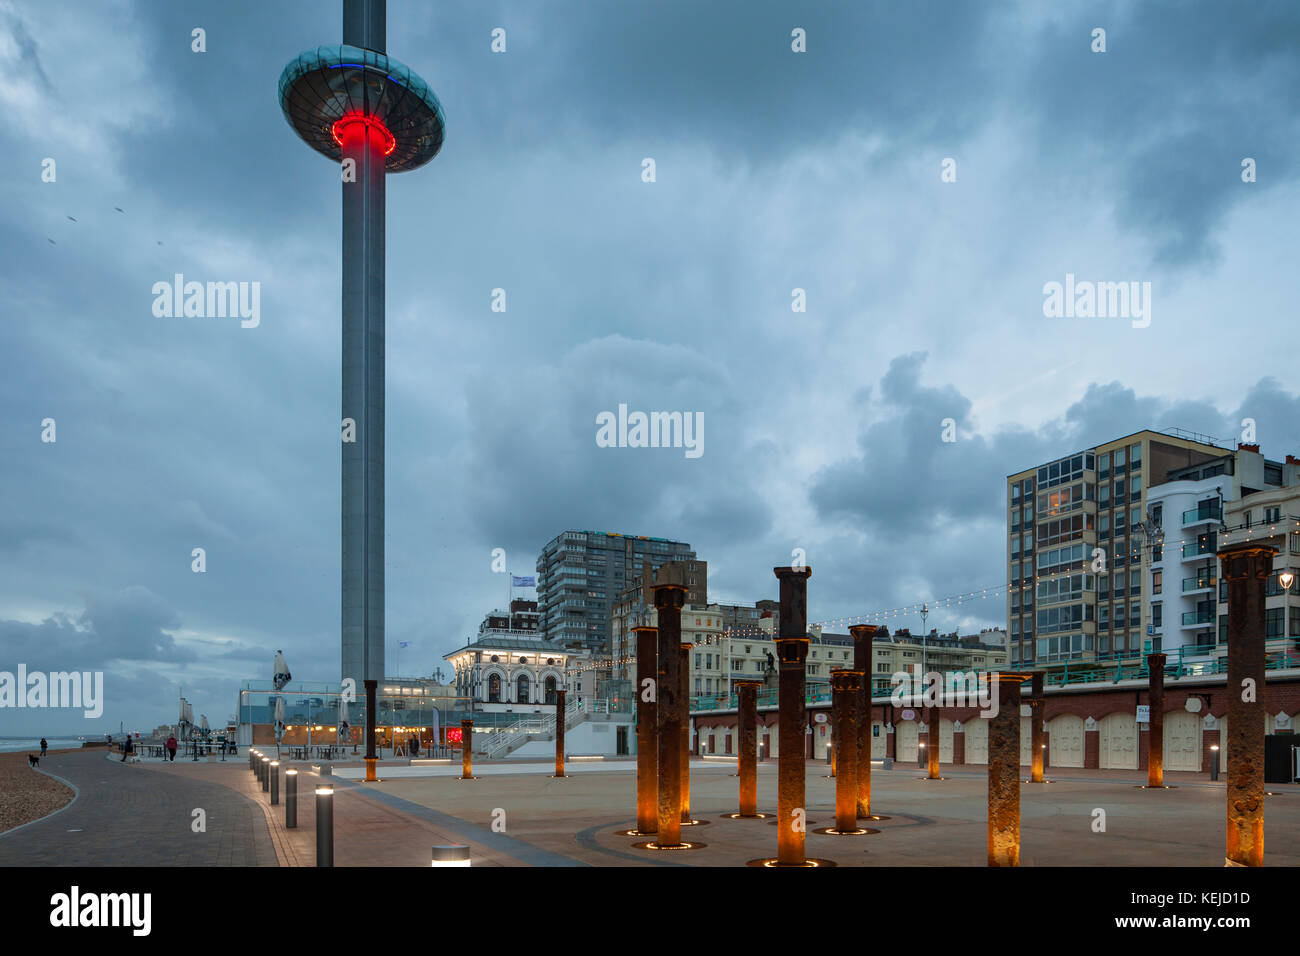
371,114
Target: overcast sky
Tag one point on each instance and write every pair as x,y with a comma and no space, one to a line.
775,170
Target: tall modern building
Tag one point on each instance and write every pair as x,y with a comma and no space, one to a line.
370,114
1238,496
581,574
1063,604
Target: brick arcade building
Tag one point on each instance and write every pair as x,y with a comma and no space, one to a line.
1086,726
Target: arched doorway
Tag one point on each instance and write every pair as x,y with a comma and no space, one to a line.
494,688
522,690
550,690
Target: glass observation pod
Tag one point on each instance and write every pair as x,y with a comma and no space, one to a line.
323,90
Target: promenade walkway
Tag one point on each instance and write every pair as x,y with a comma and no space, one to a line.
122,816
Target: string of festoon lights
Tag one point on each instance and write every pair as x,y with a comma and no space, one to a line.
1273,529
1291,524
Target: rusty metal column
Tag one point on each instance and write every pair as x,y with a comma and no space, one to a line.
669,599
1246,568
370,758
747,709
559,733
684,664
846,688
932,758
1156,720
1004,772
466,750
647,783
862,661
1036,728
792,653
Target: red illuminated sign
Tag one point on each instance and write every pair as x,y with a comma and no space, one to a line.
454,735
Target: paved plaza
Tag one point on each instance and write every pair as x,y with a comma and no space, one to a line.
141,815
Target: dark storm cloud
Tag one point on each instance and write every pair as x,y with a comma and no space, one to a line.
127,625
28,53
906,482
543,454
1183,93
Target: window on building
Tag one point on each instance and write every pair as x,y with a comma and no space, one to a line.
1273,622
1271,515
1157,581
1157,614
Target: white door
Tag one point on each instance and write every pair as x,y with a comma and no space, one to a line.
1182,738
879,740
977,740
1065,741
1117,742
905,746
945,740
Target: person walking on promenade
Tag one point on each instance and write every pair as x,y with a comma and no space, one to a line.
171,747
127,750
44,746
415,746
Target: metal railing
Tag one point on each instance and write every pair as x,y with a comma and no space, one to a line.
1281,653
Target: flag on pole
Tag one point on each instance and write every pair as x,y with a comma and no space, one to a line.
525,581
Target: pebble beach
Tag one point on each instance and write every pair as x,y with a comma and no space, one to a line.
25,793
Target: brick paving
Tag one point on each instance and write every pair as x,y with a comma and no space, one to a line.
123,817
139,815
372,827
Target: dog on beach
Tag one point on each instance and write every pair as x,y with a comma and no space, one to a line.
32,760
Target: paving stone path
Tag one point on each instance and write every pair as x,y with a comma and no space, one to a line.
131,815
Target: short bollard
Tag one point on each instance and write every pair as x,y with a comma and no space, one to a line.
1214,761
325,825
266,774
290,799
275,782
452,854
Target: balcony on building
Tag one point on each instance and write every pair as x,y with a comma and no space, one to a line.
1205,511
